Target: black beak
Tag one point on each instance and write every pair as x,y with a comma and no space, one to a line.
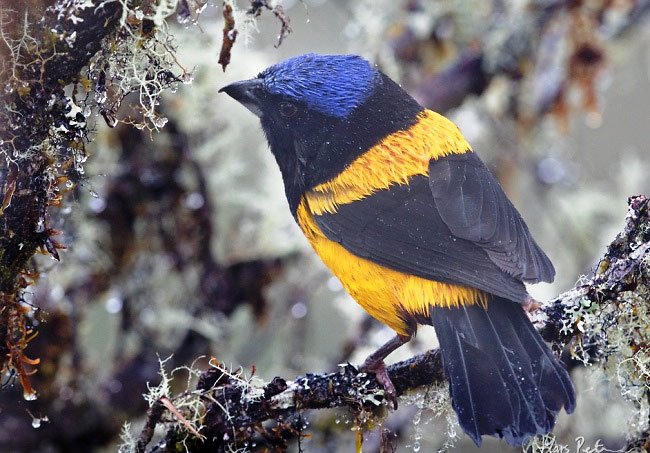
247,93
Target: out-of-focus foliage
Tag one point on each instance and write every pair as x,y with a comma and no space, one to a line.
179,240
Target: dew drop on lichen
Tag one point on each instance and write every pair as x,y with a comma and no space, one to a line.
160,121
100,96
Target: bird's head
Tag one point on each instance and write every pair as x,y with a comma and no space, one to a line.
320,112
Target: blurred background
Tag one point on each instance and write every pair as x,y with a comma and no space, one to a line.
181,244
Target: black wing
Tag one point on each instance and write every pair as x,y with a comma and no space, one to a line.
400,228
472,204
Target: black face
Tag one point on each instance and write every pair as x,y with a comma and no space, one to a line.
311,147
297,135
294,132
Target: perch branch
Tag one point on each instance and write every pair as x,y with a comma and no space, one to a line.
235,413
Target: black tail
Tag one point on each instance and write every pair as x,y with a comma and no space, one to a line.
503,378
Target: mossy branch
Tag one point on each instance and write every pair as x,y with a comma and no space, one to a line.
589,318
33,105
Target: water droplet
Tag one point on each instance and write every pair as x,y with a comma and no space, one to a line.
299,310
101,96
30,396
194,201
114,304
36,422
160,121
183,19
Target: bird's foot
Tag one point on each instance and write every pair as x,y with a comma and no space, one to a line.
378,368
531,304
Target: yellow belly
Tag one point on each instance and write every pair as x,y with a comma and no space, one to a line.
392,297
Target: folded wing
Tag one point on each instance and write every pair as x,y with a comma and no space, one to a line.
402,229
474,207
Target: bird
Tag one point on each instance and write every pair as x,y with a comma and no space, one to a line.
405,214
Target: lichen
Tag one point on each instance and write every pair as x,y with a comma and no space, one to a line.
60,71
606,319
433,402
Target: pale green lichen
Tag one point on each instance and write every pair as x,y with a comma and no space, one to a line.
128,442
433,402
141,60
609,317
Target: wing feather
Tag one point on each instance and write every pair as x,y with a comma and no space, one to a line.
473,205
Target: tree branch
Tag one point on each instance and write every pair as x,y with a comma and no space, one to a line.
236,411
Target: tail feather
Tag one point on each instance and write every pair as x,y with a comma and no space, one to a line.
475,386
560,392
497,337
504,380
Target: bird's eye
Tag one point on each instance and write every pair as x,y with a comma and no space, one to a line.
287,109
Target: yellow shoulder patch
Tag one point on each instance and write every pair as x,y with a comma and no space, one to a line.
394,160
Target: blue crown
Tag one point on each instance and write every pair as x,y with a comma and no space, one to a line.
331,84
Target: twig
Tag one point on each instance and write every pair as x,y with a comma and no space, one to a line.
154,414
168,404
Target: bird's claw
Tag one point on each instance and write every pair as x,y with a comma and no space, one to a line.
531,304
378,368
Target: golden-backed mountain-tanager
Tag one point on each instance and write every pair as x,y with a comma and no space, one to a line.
401,209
